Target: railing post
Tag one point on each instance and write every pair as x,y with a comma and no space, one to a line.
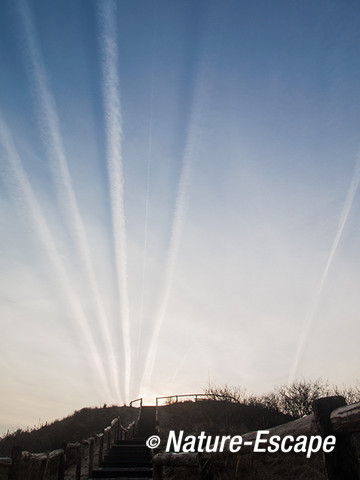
61,468
64,446
44,469
342,462
78,462
101,449
108,443
14,470
157,412
91,456
117,430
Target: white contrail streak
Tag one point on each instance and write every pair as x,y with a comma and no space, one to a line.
312,312
113,128
22,185
53,143
147,202
177,227
200,99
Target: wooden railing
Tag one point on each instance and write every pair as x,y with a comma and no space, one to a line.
331,417
23,465
194,396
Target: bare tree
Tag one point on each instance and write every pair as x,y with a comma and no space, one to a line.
351,394
297,399
228,393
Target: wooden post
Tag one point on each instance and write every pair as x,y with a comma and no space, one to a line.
342,462
108,443
118,429
114,429
91,456
61,471
101,450
64,446
14,470
43,469
78,462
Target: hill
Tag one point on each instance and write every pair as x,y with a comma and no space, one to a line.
218,417
81,424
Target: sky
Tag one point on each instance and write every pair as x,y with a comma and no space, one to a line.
179,199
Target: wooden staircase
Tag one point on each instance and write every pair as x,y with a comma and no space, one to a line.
130,459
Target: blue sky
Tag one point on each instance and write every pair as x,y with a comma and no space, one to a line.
178,199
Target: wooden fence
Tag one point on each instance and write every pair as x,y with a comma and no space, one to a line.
23,465
331,417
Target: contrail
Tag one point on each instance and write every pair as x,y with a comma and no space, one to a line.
177,227
311,314
201,95
147,202
53,143
179,367
113,128
189,155
23,186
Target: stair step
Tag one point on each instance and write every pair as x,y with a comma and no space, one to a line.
134,462
119,472
133,456
128,450
134,441
130,459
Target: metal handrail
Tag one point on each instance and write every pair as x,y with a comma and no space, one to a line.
195,395
140,408
137,400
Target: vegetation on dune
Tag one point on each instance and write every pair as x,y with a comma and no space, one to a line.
228,410
216,417
81,424
295,399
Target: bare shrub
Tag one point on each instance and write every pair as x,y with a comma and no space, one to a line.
295,399
227,393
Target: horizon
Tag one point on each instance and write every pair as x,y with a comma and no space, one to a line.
179,199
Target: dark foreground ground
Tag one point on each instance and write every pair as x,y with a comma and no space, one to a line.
216,418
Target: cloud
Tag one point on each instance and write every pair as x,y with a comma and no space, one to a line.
53,143
113,130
